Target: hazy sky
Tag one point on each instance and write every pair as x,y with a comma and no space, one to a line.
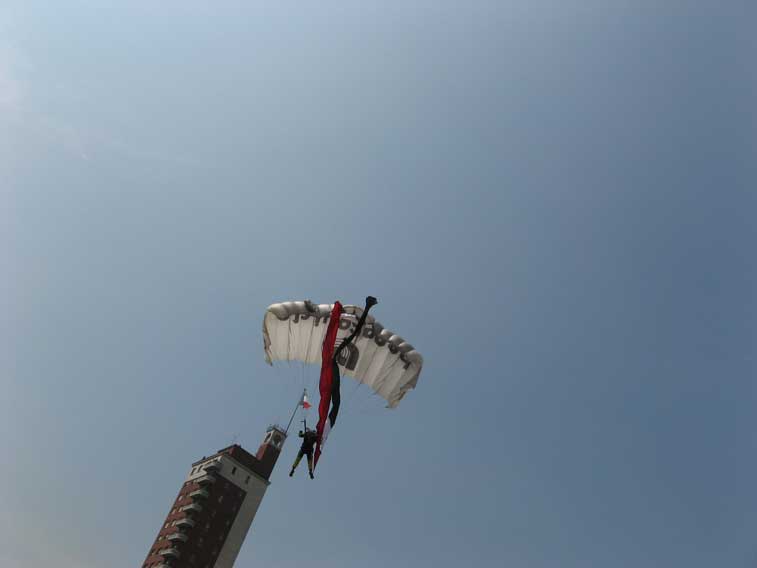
554,202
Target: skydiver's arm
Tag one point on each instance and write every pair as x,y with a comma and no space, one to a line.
369,302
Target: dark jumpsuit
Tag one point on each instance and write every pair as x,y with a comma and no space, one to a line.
306,449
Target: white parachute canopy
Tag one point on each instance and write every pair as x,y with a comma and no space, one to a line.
294,331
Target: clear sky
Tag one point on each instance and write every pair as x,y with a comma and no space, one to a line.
555,202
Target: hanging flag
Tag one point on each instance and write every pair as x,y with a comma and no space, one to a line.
330,379
304,402
325,385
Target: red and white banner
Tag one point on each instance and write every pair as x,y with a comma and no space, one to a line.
325,385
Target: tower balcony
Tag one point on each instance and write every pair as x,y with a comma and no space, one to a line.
169,552
199,494
185,522
205,479
180,536
192,507
213,466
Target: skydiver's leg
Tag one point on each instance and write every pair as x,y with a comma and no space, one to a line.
310,464
296,463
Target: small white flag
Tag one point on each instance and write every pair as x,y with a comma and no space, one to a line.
304,402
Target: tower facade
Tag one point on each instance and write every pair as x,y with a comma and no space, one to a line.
217,502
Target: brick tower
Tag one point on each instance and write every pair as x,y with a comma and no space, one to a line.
210,517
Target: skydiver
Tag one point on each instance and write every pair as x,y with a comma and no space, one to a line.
309,438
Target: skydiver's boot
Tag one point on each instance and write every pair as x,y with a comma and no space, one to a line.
291,473
311,474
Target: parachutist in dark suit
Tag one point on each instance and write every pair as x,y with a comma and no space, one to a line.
309,438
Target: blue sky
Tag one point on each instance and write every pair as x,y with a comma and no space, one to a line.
553,201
